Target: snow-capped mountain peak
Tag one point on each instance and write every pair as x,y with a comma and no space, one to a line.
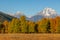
47,12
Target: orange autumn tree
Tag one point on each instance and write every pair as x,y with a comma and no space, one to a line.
14,26
23,24
44,26
58,24
53,24
31,27
5,28
11,26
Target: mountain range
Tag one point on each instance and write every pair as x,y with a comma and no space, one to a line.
4,16
45,13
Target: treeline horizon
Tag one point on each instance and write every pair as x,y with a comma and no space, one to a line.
21,25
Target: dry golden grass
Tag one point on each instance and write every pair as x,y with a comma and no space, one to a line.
29,36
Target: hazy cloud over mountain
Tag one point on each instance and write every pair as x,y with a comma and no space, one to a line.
17,14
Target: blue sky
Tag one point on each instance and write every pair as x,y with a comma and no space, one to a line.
28,7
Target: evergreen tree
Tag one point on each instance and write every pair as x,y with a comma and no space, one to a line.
48,27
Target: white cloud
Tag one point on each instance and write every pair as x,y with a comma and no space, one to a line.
29,16
18,13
